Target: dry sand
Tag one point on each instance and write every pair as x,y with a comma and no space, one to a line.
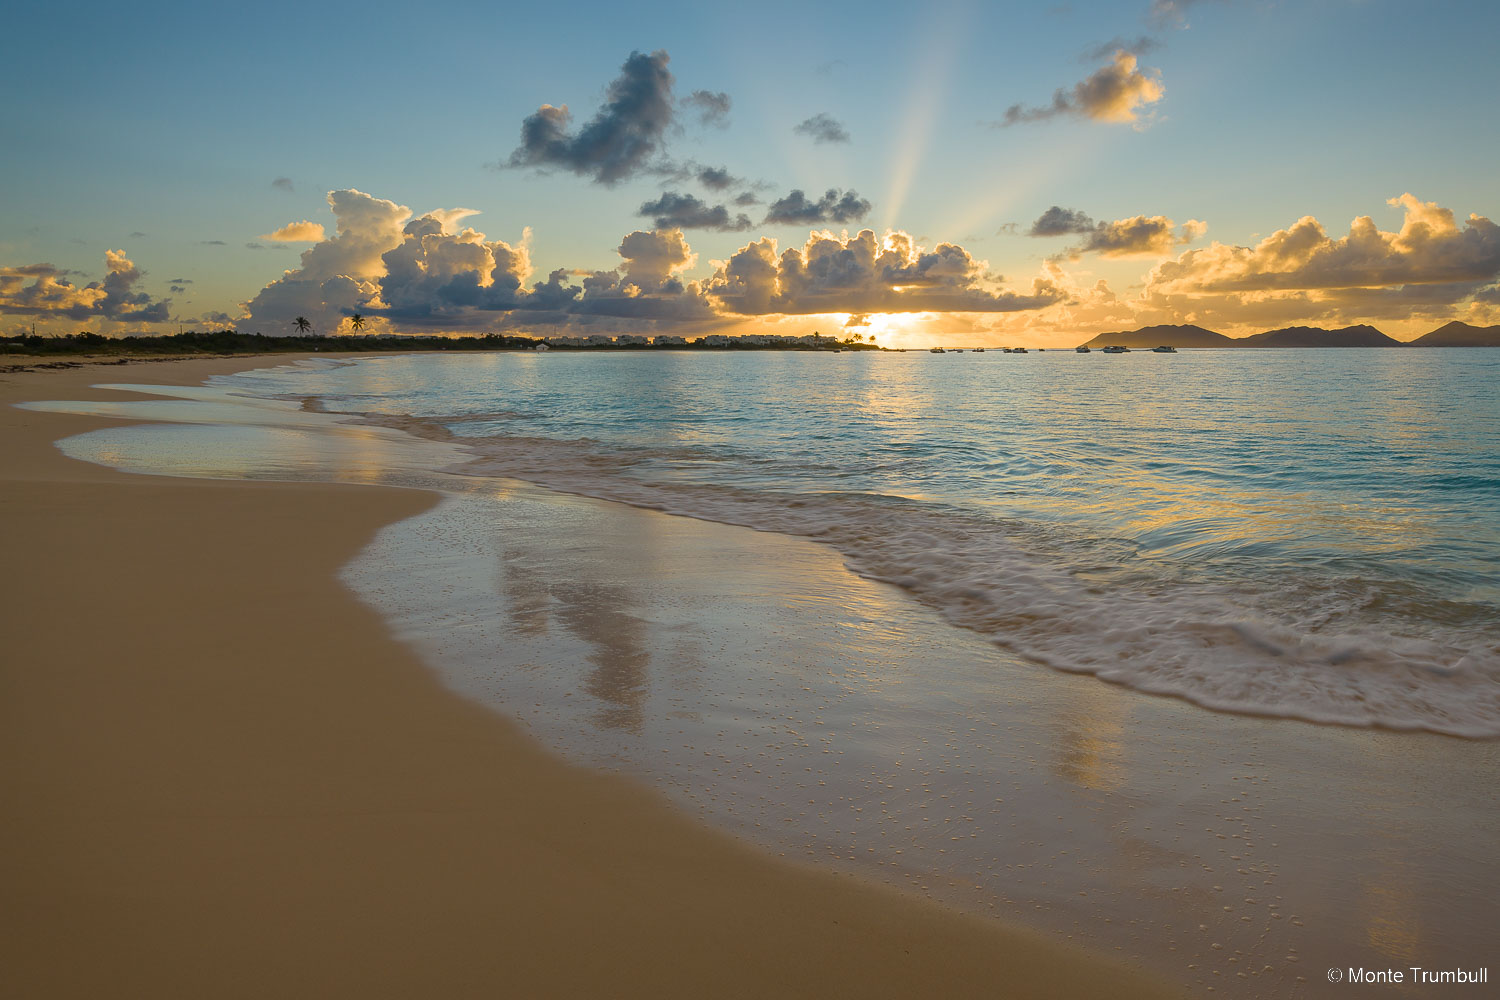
219,776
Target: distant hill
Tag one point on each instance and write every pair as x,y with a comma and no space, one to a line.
1312,336
1167,335
1458,334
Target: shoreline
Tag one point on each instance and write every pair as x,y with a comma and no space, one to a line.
197,802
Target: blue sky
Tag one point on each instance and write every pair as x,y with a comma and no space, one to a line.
159,129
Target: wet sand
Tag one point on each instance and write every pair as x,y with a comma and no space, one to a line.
220,776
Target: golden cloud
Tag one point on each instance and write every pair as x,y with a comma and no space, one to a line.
297,232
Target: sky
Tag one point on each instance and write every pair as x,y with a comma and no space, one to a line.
959,173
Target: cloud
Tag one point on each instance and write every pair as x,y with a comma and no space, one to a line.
176,289
712,108
684,211
1112,94
213,243
339,273
746,198
1138,236
284,184
137,235
652,259
43,290
821,128
863,274
1059,221
1429,249
716,178
297,232
434,273
621,137
835,206
1302,273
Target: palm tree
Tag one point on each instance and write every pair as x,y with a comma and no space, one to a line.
357,321
302,324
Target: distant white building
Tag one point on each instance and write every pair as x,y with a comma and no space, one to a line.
631,339
541,347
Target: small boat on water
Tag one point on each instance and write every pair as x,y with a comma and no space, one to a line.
1082,350
958,350
936,350
1164,349
978,350
1116,349
1020,350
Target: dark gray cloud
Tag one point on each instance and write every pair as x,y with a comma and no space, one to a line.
835,206
712,108
180,281
176,289
821,128
137,235
255,246
213,243
1059,221
746,198
284,184
1140,235
683,211
1138,46
619,140
1112,93
716,178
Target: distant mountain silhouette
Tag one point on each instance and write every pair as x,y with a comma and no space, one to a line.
1312,336
1454,334
1458,334
1167,335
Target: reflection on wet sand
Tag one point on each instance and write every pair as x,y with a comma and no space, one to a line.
1391,924
1090,734
527,593
596,614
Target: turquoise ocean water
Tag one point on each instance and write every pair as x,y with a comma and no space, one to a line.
1312,534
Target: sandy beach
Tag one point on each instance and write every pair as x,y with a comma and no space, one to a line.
221,776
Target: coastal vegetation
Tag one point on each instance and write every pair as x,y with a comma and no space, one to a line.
230,342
